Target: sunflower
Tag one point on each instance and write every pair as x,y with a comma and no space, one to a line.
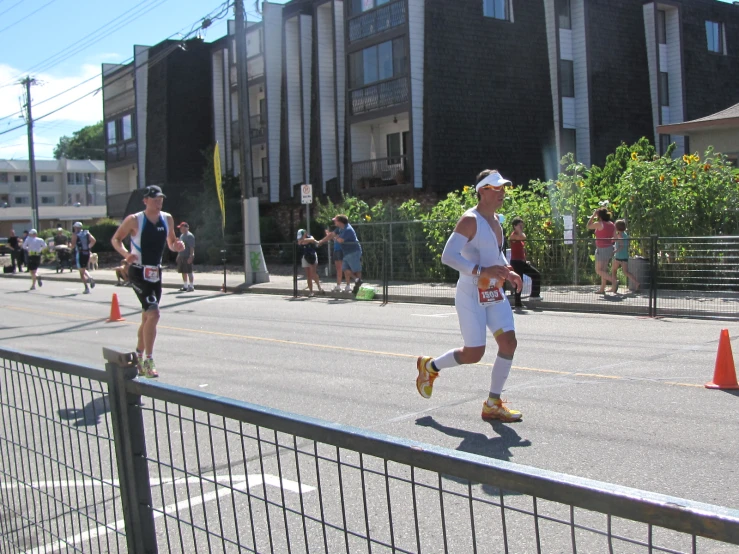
661,178
706,167
466,188
686,158
634,156
368,218
674,181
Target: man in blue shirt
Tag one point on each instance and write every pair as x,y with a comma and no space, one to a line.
352,263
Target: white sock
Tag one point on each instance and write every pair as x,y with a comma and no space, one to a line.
501,370
446,360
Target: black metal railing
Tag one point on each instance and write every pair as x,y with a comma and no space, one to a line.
382,18
98,461
379,172
257,126
379,95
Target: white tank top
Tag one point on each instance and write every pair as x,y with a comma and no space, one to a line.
484,249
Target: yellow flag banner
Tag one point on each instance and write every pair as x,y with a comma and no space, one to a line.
219,184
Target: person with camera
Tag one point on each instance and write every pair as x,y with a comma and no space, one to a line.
307,246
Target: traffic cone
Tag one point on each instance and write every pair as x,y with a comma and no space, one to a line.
115,310
724,376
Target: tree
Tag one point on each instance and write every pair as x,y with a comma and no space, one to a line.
86,144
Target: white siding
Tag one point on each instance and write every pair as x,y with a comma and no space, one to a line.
219,112
582,92
340,85
663,56
294,106
272,21
565,44
361,136
551,22
306,63
652,64
141,61
569,117
416,24
326,92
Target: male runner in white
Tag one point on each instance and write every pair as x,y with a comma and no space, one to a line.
475,250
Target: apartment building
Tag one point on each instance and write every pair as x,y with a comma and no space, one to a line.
67,190
157,124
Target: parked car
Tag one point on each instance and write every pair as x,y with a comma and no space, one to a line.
4,247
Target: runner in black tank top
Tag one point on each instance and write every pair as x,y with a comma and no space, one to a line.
150,231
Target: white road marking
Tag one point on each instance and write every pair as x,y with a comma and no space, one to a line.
240,483
436,315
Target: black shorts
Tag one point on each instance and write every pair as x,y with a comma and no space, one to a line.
148,293
33,262
82,259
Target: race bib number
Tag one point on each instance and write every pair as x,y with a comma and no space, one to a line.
151,273
488,297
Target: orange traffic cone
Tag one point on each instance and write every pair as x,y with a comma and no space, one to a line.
115,310
724,376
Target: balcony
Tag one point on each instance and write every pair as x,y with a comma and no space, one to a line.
254,70
124,151
380,173
261,188
257,130
379,95
378,20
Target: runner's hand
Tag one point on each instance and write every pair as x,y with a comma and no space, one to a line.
495,272
131,258
515,279
179,246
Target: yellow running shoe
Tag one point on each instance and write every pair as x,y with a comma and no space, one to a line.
499,411
426,377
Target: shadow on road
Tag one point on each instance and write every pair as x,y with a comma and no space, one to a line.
89,415
479,443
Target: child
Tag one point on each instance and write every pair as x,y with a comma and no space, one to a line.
621,256
121,274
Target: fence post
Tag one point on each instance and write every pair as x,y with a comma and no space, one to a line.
295,269
392,272
384,271
653,276
130,450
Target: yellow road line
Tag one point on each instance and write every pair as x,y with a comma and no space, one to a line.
343,348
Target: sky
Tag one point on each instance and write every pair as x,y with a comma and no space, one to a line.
62,43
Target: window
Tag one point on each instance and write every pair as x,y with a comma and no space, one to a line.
377,63
265,168
359,6
662,26
715,37
127,127
3,177
393,148
47,178
20,178
567,74
569,142
664,143
664,88
497,9
111,132
263,110
48,200
564,14
21,200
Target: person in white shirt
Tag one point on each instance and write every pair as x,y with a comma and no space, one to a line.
34,246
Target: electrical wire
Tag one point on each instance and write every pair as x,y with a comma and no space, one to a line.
27,16
11,7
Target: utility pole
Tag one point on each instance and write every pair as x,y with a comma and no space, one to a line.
255,270
28,81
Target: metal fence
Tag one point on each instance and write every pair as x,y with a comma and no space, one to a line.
97,461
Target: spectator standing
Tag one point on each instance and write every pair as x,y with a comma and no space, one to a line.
519,263
309,259
82,242
605,232
33,246
621,256
351,265
60,239
186,258
25,252
16,251
338,259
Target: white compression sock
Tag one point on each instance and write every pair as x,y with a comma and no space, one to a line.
446,360
501,370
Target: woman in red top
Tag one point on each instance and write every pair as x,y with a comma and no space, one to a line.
518,261
605,232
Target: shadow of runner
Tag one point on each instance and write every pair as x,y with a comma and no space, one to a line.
482,445
89,415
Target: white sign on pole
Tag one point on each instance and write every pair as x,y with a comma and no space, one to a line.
568,235
306,194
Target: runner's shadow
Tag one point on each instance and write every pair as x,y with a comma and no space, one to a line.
482,445
89,415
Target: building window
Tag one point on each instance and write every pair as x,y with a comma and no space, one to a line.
664,143
48,200
569,142
567,82
664,88
564,14
47,178
359,6
3,177
20,178
497,9
127,127
111,132
662,26
377,63
715,37
21,200
393,148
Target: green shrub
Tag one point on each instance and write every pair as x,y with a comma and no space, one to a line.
103,231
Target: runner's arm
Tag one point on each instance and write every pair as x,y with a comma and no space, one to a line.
92,240
125,229
174,244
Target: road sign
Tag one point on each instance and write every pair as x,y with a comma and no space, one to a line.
306,194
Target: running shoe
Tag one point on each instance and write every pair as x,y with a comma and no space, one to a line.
348,288
357,284
499,411
33,287
40,282
191,288
91,281
337,288
150,370
87,291
426,377
184,288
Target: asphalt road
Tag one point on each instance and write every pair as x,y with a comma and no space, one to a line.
614,398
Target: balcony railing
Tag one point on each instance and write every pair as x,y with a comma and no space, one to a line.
378,20
380,172
257,129
379,95
120,152
261,188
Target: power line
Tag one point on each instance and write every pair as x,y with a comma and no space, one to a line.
27,16
11,7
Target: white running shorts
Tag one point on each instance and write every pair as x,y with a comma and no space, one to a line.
474,319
